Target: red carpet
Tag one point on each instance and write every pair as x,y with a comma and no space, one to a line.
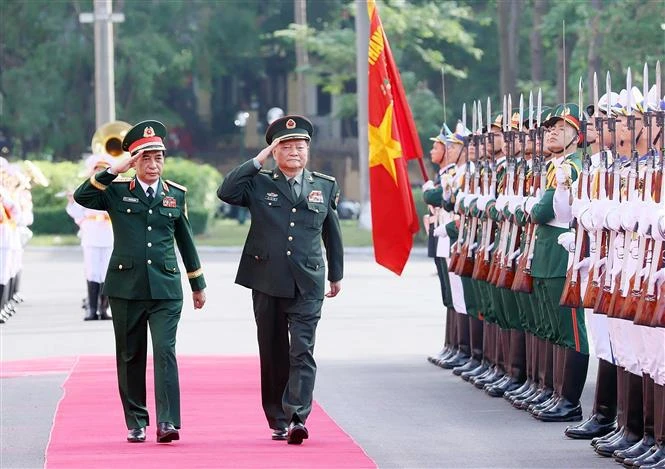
222,423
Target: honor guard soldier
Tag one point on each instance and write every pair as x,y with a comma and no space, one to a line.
96,235
293,210
149,216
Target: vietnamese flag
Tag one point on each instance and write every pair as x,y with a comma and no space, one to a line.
392,140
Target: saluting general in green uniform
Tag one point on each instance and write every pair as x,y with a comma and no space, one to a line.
292,210
143,279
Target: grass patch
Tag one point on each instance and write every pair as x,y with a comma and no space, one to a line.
222,233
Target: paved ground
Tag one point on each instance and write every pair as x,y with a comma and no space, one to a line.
371,347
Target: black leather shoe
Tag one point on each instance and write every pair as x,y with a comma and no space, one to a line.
167,433
471,364
607,438
592,427
499,390
136,435
517,399
635,451
562,411
458,359
280,434
544,405
297,433
479,370
627,440
637,461
510,395
655,460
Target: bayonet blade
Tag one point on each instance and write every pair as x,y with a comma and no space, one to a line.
608,90
521,112
509,124
595,95
480,117
489,114
645,86
658,88
473,118
464,117
629,91
503,115
539,109
531,109
580,98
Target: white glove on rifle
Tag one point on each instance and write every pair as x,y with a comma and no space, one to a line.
428,186
567,240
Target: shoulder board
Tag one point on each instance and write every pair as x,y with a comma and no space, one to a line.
266,171
176,185
324,176
123,179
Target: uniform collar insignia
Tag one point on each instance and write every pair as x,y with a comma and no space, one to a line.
165,186
132,185
275,176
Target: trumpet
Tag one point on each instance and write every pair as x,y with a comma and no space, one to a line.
108,138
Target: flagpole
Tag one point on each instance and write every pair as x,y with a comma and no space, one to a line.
362,93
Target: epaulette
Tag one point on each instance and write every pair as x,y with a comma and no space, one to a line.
123,179
266,171
176,185
324,176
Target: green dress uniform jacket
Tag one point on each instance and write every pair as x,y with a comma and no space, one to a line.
283,247
143,264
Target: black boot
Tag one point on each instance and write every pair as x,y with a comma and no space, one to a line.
103,304
93,298
568,409
634,427
603,418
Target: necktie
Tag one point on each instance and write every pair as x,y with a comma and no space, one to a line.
294,192
151,194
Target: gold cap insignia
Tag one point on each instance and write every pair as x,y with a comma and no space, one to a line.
290,124
148,132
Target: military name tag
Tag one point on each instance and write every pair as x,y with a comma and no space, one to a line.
169,202
133,200
315,197
271,196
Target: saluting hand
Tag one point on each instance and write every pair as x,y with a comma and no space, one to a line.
266,152
199,299
126,164
335,287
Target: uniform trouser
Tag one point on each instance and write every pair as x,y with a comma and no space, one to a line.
567,327
5,265
288,368
130,323
96,260
442,271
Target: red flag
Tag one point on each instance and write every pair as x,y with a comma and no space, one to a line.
392,139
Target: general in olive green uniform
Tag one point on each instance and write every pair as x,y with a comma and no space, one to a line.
282,262
143,279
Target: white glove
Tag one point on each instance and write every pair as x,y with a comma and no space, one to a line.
599,209
583,267
659,277
567,240
630,213
440,231
647,212
514,202
428,186
483,200
501,202
579,205
468,200
458,200
613,219
530,203
657,221
585,219
563,176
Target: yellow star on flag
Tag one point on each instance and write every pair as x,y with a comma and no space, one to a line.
383,149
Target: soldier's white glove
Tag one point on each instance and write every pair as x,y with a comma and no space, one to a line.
563,176
585,219
630,213
578,206
530,202
458,200
567,240
501,202
613,219
646,217
599,209
583,267
514,202
440,231
657,222
428,186
659,277
483,200
468,200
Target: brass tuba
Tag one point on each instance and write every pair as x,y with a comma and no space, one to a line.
108,138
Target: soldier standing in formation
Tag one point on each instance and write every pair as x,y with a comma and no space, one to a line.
96,234
535,341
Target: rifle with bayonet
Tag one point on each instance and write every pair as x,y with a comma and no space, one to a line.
571,296
455,254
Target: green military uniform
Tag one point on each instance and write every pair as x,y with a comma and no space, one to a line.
282,262
144,286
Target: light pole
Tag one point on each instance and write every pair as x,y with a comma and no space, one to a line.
103,19
362,79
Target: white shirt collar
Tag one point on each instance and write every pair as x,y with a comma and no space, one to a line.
145,185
